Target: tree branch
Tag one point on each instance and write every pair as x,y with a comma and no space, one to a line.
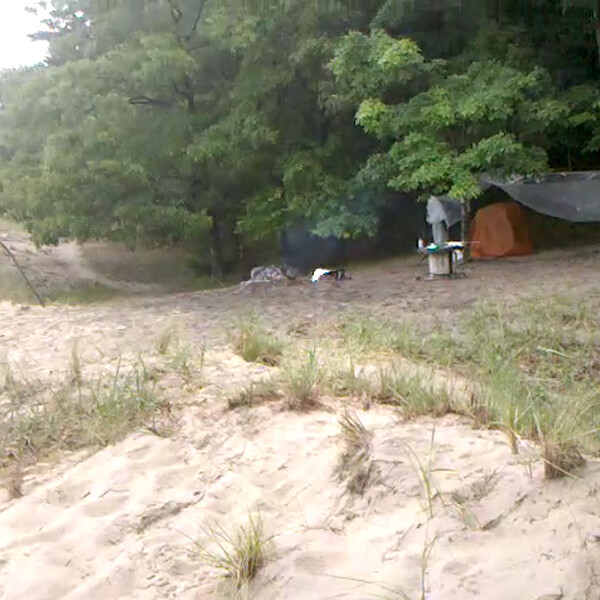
202,3
147,101
12,256
177,18
187,93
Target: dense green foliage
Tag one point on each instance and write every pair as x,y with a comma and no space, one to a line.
215,123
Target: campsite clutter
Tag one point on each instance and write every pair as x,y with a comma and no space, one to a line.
443,258
497,230
273,273
501,229
443,255
328,274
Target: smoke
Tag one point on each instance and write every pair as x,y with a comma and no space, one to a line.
305,251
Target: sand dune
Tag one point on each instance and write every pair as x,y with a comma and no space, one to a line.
119,524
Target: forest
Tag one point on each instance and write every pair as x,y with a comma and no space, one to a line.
216,125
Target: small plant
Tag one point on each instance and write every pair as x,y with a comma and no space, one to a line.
116,409
301,382
347,380
8,378
560,439
425,557
507,402
255,343
202,357
560,459
182,361
562,434
474,492
165,339
425,474
355,463
406,340
460,503
254,394
412,394
14,479
17,389
75,368
238,556
387,591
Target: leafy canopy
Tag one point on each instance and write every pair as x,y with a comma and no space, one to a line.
217,124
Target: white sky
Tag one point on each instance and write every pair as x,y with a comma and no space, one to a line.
16,49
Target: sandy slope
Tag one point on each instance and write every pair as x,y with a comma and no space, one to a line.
117,525
69,265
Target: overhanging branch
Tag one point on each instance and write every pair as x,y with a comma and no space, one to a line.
147,101
177,18
188,37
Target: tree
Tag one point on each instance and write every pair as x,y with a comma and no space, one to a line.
489,108
173,133
217,124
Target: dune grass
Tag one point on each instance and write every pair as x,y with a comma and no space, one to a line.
74,414
343,378
166,337
254,394
415,394
535,366
367,335
237,555
82,293
539,365
254,342
301,381
355,462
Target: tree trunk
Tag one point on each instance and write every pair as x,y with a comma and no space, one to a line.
597,27
496,10
242,267
597,30
216,248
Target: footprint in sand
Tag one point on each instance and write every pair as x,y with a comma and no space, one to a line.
46,535
309,562
455,567
141,453
104,506
173,477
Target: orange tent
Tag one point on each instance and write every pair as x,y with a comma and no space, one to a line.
500,230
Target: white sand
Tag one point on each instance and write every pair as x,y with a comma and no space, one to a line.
117,525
